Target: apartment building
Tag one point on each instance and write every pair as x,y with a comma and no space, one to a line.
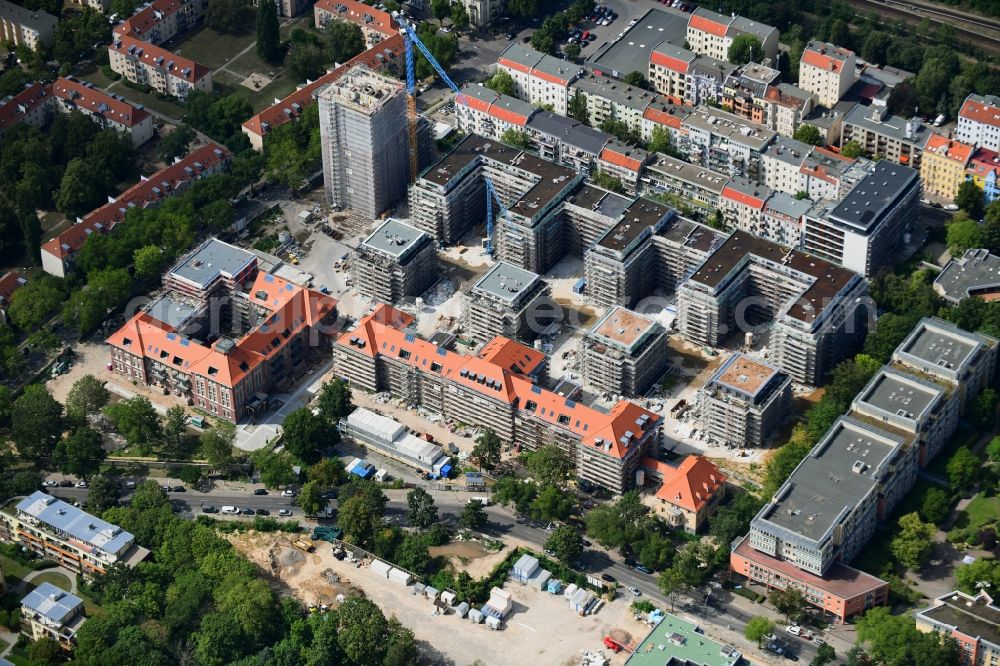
506,301
972,620
277,328
744,86
862,232
364,141
724,142
160,21
623,353
792,167
695,185
394,262
667,113
741,204
26,27
497,388
376,24
540,79
57,531
208,160
979,122
485,112
49,612
566,141
711,34
31,106
687,495
624,162
586,215
146,64
786,107
483,12
705,80
668,69
886,137
983,170
744,402
611,98
943,166
828,71
287,8
107,110
386,56
972,275
782,219
817,310
10,282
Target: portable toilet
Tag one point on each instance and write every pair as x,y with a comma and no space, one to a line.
476,616
462,609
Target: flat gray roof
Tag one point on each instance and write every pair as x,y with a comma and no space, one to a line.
899,394
785,203
698,176
569,131
395,238
824,118
507,282
82,526
730,126
748,27
788,150
615,90
212,259
891,126
52,603
940,343
976,273
522,54
972,616
873,196
692,234
172,311
599,200
840,471
631,52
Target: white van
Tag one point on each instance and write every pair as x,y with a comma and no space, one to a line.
231,510
485,501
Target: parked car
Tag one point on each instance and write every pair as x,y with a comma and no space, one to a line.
230,510
260,491
48,484
794,630
262,512
288,492
284,512
608,578
247,512
209,509
65,483
629,562
179,489
81,484
642,569
635,591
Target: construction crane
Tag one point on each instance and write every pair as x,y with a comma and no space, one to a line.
410,39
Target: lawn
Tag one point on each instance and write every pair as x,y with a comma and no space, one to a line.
212,49
13,569
56,578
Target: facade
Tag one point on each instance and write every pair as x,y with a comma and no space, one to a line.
984,171
828,71
979,122
539,79
210,159
496,388
623,162
160,21
384,56
943,166
49,612
624,353
168,74
744,87
818,309
483,12
786,107
58,531
611,98
276,328
742,204
972,620
712,34
689,494
32,106
488,113
507,301
394,262
783,218
364,137
376,25
724,142
105,109
566,141
694,185
26,27
391,438
973,275
744,402
862,232
893,138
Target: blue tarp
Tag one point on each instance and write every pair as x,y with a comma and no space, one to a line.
363,469
445,471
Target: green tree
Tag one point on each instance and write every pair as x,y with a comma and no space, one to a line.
523,8
549,465
412,554
80,190
441,9
970,199
936,506
621,130
661,141
343,41
421,511
360,514
148,261
217,444
789,602
853,149
306,61
175,429
225,16
459,16
962,469
577,108
311,499
137,421
552,503
45,652
33,304
334,400
401,648
985,571
744,49
305,434
913,543
176,143
473,515
517,138
486,452
757,628
273,468
572,51
963,234
87,396
608,182
36,423
824,655
502,82
106,289
894,639
102,493
566,543
362,631
287,163
637,79
780,466
808,134
80,454
993,450
268,32
328,472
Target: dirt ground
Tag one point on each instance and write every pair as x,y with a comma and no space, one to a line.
470,557
540,630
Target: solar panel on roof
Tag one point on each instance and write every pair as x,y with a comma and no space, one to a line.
185,342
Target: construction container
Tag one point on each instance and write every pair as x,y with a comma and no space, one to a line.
570,590
448,597
400,576
418,588
431,592
462,609
493,622
381,568
476,616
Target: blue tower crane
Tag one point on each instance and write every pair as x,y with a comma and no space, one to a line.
410,39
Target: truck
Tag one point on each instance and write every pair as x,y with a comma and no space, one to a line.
305,545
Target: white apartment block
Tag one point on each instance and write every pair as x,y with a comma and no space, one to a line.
109,111
376,24
483,12
979,122
827,70
166,73
485,112
711,34
25,27
542,80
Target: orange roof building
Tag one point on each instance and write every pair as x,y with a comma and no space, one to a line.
498,388
228,378
688,494
9,283
375,23
147,64
103,108
827,71
979,122
31,106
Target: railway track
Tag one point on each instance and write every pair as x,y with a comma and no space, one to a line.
984,32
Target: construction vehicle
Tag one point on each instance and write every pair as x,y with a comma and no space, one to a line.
410,39
303,544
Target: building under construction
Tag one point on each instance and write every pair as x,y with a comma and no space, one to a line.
507,301
624,353
394,262
365,145
744,402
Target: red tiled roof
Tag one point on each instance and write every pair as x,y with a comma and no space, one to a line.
94,101
283,111
9,283
154,56
942,146
825,56
673,64
617,158
33,95
980,112
512,355
742,197
705,24
692,484
984,161
364,15
142,21
164,183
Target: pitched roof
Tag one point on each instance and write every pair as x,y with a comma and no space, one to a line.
9,283
154,56
708,21
827,57
13,109
692,484
979,109
743,196
92,100
983,162
357,12
672,57
145,18
626,157
942,146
